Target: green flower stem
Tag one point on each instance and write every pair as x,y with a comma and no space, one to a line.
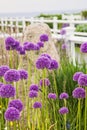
85,126
65,117
11,59
79,113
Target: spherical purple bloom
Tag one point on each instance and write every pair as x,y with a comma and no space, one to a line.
44,38
54,64
7,48
83,47
23,74
64,46
34,87
40,44
29,46
17,103
63,95
12,114
22,51
82,80
12,75
78,93
9,41
43,62
46,55
36,47
62,31
63,110
16,45
3,69
76,76
52,95
19,48
33,94
37,105
7,91
44,82
1,84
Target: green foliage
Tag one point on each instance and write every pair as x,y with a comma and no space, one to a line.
84,13
81,28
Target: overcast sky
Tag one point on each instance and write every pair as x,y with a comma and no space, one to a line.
41,5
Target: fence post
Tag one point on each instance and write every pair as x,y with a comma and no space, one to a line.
2,24
31,20
23,23
55,25
71,21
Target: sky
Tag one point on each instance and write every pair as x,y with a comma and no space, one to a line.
41,5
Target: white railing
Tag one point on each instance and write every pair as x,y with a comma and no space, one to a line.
71,36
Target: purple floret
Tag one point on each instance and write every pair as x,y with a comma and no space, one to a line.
12,114
64,46
36,47
76,76
29,46
44,38
54,64
62,31
63,95
1,84
16,103
63,110
43,62
16,45
7,91
3,69
46,55
9,41
23,74
33,94
82,80
78,93
12,75
83,47
44,82
52,96
34,87
40,44
37,105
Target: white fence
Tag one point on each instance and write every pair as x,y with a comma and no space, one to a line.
71,36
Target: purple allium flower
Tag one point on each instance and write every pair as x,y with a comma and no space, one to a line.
23,74
63,110
29,46
76,76
83,47
37,105
46,55
12,114
17,103
64,46
3,69
7,91
16,45
44,82
44,38
1,84
36,47
41,44
63,95
52,95
82,80
43,62
34,87
12,75
54,64
33,94
9,41
22,51
78,92
62,31
7,48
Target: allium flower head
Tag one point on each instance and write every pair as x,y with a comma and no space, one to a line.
9,41
82,80
43,62
29,46
76,76
16,45
3,69
40,44
37,105
52,95
46,55
17,103
54,64
36,47
33,94
1,84
83,47
63,32
63,110
64,46
44,82
23,74
44,38
34,87
7,91
78,92
12,114
12,75
63,95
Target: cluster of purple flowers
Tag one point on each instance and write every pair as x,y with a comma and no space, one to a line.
45,61
83,47
52,96
63,95
64,46
23,74
3,69
33,91
63,110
